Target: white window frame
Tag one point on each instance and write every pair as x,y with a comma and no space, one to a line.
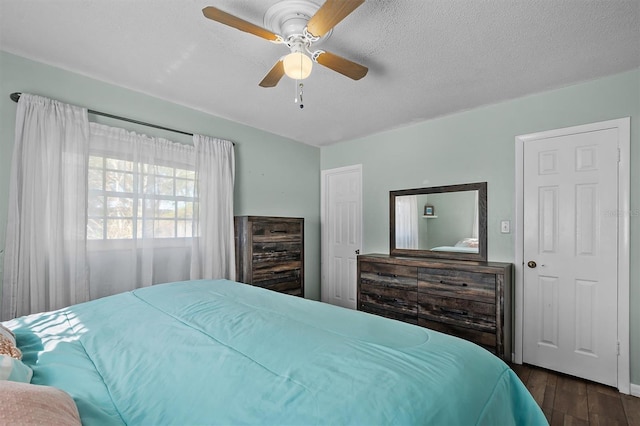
138,196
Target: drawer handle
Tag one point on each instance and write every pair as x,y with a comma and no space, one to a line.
382,274
285,271
455,284
381,297
279,251
278,231
454,311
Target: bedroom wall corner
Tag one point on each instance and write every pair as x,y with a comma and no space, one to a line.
274,175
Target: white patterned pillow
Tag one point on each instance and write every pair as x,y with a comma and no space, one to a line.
11,368
9,348
4,331
8,343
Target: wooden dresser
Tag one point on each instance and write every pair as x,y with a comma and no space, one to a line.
467,299
270,252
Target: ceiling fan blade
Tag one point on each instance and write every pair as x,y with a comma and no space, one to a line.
240,24
342,65
330,14
274,76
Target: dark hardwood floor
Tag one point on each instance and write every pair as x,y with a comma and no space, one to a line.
567,400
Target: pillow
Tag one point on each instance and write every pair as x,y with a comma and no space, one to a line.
468,242
4,331
14,370
8,343
7,347
30,405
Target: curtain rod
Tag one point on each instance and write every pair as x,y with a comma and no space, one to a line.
16,95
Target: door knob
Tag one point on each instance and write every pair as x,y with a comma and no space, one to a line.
531,264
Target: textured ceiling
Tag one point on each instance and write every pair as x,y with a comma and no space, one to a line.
426,58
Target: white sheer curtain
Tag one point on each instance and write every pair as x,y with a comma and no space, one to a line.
134,193
407,222
45,259
180,201
96,210
213,249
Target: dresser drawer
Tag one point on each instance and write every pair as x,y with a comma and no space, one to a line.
276,251
393,276
283,277
389,298
276,231
487,340
462,312
408,317
272,270
286,282
389,290
458,283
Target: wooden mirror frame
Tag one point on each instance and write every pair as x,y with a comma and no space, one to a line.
481,187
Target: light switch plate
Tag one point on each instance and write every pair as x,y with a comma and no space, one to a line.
505,227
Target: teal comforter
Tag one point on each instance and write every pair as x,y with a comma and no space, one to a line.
219,352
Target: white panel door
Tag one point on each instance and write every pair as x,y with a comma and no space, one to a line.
570,254
341,234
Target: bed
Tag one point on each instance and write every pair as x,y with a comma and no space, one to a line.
221,352
466,245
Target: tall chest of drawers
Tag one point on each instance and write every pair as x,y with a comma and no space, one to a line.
467,299
270,252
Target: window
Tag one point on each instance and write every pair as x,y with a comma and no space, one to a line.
128,199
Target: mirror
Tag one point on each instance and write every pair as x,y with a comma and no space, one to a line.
448,222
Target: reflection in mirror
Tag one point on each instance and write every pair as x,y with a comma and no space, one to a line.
448,221
441,222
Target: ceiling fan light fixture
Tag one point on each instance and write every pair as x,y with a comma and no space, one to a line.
297,65
298,24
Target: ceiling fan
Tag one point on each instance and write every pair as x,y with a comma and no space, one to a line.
300,24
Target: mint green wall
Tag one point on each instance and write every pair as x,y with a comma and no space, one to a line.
274,175
479,145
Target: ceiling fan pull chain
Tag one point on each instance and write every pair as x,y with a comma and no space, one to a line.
301,90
